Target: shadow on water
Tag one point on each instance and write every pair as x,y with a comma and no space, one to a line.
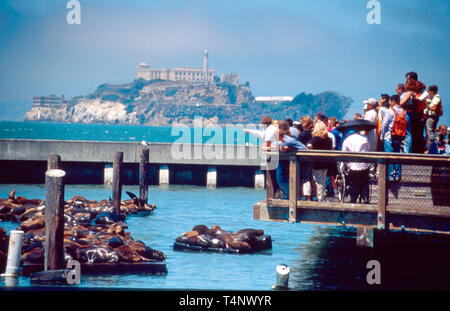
408,261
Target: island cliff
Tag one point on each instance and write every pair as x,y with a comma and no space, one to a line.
162,102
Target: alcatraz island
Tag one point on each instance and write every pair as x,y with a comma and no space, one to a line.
174,96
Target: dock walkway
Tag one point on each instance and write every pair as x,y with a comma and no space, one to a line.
419,202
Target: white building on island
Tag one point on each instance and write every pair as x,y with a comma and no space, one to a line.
178,73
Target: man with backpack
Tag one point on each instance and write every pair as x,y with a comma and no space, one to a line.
393,132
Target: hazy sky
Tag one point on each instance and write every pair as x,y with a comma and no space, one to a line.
280,47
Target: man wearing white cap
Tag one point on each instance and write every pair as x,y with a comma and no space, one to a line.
371,115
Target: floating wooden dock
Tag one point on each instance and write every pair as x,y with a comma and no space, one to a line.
419,202
150,267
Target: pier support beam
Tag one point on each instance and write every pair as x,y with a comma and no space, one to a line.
108,174
163,175
211,177
294,187
259,180
117,182
143,177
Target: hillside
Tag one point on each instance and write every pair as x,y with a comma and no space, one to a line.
159,102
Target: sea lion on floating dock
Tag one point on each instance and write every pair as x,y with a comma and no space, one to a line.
97,254
36,255
230,242
12,194
216,231
35,222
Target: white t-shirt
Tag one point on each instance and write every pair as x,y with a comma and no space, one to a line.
356,143
271,133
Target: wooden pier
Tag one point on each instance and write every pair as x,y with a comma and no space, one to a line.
419,202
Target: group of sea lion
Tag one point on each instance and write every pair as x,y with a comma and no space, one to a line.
204,238
92,233
19,208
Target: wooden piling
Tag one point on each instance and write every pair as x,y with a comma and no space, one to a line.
54,219
294,179
143,177
117,182
382,195
54,162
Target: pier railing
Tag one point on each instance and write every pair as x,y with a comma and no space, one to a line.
419,201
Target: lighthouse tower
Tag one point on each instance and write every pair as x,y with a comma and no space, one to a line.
205,65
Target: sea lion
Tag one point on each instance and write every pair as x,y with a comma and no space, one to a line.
216,231
209,241
28,214
20,200
18,210
76,198
5,208
247,235
203,240
202,229
8,217
105,218
82,216
35,222
150,253
97,254
191,240
12,194
116,229
113,242
253,231
232,243
128,253
36,255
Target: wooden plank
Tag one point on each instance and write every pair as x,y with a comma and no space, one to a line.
382,195
419,211
294,175
326,205
150,267
437,222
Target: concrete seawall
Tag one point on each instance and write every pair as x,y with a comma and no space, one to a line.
90,162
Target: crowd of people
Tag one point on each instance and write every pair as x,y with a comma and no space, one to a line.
407,122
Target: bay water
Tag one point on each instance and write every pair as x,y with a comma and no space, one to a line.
320,257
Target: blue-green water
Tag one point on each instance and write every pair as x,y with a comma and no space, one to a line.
128,133
179,208
320,257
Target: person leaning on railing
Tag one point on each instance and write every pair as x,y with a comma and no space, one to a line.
268,135
287,144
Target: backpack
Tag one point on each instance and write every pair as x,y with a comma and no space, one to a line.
400,125
378,128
